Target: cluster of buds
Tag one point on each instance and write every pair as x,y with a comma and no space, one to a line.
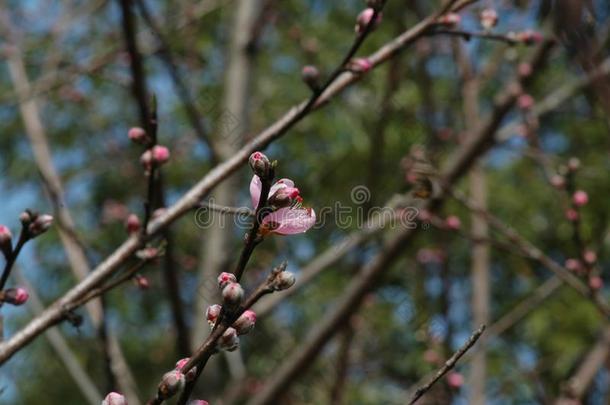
35,224
449,20
6,241
15,296
489,18
114,398
364,19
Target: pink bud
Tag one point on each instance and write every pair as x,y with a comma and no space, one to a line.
432,356
361,65
229,340
114,398
171,383
148,253
574,265
452,222
524,69
525,101
558,181
284,280
232,294
146,159
191,374
6,237
364,18
529,37
40,225
15,296
580,198
590,256
424,215
450,20
212,313
572,215
225,278
160,154
245,322
260,164
455,379
596,283
138,135
132,224
573,164
489,18
141,282
199,402
311,76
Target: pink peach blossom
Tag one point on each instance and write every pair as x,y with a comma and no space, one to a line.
580,198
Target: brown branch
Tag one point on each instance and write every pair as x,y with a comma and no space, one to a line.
190,199
449,364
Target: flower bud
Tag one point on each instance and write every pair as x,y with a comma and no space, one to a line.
525,69
558,181
574,265
580,198
138,135
572,215
148,253
229,340
132,224
199,402
171,383
189,375
590,257
15,296
160,154
525,101
26,217
245,322
232,294
212,313
141,282
450,20
6,245
455,380
529,37
311,76
596,283
573,164
260,164
225,278
360,65
41,224
114,398
284,280
453,223
489,18
364,18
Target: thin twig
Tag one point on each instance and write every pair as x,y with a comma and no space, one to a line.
449,364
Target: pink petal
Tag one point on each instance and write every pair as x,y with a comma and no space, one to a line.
281,183
288,221
255,190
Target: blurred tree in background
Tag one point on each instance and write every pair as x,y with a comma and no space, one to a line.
222,71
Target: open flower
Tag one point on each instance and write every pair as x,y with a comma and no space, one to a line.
287,219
